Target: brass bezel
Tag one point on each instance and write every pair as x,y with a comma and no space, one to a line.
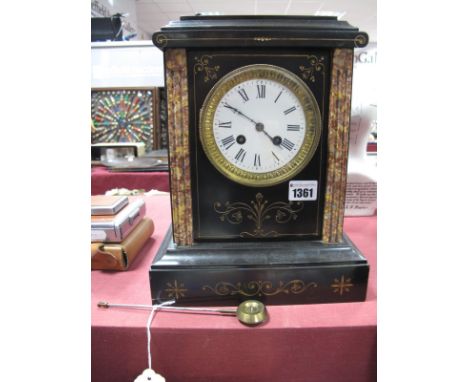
312,123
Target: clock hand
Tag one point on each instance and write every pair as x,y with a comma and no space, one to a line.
269,136
239,112
276,139
258,125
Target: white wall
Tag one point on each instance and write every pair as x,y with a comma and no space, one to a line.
365,75
140,63
126,63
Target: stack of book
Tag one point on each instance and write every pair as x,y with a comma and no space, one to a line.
119,230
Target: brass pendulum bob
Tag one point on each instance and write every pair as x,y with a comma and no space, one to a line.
251,312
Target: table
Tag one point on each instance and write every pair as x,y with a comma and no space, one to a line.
309,343
102,180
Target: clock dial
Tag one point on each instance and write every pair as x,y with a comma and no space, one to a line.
260,125
255,133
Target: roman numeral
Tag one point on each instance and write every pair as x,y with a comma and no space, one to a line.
243,94
287,144
290,110
293,127
275,156
225,124
228,141
261,91
257,160
240,155
278,96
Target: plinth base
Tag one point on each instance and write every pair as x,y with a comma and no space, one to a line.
276,273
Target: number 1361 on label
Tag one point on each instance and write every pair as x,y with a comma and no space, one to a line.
302,190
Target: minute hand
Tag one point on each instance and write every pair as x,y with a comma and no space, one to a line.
239,112
258,125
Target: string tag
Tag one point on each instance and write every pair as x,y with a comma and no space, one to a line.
149,375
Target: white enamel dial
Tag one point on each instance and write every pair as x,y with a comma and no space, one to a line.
259,125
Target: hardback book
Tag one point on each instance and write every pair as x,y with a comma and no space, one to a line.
119,256
115,228
107,204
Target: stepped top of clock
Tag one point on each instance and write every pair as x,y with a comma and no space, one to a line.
207,31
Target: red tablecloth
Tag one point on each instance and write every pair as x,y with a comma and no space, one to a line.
103,180
310,343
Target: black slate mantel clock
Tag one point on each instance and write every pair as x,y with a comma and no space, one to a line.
258,122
